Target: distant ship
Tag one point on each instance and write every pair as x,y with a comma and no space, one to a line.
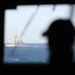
16,43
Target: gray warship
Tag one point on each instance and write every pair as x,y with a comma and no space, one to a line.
17,43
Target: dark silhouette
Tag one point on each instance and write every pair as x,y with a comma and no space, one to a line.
60,39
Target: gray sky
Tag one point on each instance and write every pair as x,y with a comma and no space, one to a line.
16,20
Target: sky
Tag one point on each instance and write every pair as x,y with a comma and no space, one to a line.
16,20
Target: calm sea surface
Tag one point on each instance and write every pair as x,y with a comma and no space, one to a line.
36,53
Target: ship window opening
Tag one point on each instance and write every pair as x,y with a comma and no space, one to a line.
23,31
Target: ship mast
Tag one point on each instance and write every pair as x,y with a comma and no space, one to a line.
15,38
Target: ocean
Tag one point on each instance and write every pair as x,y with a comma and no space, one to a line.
36,53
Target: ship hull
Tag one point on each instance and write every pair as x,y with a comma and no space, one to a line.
9,45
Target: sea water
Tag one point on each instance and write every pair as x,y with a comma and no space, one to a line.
35,53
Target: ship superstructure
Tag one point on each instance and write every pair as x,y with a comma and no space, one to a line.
16,42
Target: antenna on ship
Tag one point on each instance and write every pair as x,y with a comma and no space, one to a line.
15,39
15,36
